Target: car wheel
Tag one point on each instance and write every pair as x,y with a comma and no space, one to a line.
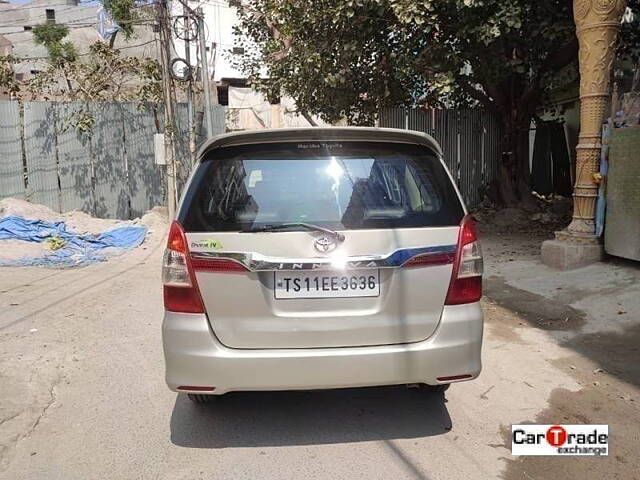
199,398
443,387
423,387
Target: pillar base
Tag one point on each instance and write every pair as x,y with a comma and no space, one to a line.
569,250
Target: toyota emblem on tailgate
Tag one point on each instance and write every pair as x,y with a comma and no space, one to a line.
325,244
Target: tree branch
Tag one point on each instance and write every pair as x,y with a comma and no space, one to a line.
308,118
275,31
476,94
561,58
487,57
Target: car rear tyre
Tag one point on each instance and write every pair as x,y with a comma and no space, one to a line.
423,387
436,388
199,398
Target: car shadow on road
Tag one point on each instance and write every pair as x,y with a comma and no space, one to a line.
252,419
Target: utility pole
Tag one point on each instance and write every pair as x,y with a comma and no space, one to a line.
214,45
205,74
162,14
186,11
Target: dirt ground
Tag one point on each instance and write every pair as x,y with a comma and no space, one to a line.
594,314
83,393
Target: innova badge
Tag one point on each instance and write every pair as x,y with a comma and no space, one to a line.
325,244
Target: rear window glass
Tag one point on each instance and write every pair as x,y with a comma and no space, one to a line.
348,185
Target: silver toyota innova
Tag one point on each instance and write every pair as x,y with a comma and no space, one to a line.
321,258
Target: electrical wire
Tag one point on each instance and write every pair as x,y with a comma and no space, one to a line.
31,19
78,21
42,16
73,21
70,27
73,26
28,7
24,59
217,4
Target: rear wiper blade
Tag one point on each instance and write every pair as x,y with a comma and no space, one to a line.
283,226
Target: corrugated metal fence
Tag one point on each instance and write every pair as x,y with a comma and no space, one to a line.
113,174
110,174
470,140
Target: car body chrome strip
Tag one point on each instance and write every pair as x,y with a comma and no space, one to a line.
256,262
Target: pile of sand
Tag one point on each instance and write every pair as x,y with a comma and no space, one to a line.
14,249
77,222
155,220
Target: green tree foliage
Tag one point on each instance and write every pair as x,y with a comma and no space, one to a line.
52,36
125,13
8,82
348,59
333,62
104,75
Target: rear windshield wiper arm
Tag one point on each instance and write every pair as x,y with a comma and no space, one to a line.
283,226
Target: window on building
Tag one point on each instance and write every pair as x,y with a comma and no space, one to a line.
51,14
27,28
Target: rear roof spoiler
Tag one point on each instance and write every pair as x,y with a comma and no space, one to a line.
319,134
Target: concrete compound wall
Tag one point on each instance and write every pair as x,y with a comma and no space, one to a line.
622,227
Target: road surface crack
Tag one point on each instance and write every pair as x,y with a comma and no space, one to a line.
8,419
50,402
10,443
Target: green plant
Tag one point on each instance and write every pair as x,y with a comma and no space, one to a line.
125,13
104,75
8,82
52,35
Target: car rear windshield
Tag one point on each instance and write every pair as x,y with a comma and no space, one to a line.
348,185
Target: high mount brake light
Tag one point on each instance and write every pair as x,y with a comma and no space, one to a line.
466,277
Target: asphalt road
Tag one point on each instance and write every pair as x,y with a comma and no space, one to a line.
82,396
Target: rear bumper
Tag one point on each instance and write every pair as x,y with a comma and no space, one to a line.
194,357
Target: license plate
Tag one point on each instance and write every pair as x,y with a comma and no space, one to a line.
348,283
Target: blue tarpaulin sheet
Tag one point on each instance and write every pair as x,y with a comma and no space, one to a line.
78,249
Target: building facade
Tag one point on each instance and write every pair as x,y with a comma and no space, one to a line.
18,19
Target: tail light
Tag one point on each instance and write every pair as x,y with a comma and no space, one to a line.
181,292
466,278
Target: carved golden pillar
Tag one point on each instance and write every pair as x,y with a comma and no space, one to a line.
597,25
